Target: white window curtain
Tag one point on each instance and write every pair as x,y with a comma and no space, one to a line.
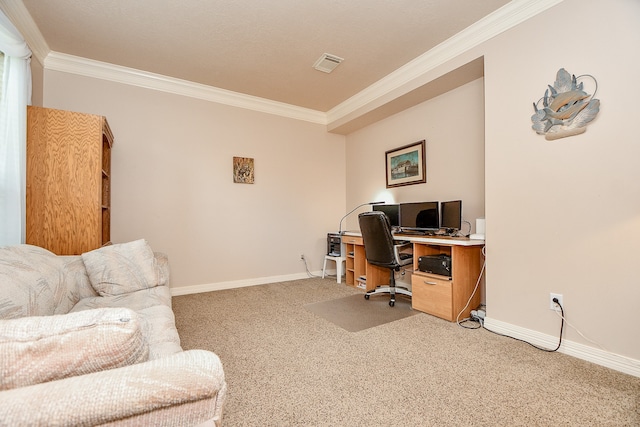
14,97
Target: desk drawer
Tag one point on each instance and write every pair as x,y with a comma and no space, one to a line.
352,240
432,295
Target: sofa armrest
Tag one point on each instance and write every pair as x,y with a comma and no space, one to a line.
183,389
164,272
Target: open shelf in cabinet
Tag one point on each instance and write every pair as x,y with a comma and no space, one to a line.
355,260
447,296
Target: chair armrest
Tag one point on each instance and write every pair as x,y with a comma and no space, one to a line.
403,244
122,394
398,248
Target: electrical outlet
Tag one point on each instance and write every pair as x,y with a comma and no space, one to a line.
552,305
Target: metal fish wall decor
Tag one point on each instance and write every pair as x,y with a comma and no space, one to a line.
566,107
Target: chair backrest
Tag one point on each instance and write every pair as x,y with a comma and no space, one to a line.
378,240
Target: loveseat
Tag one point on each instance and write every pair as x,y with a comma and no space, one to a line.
91,340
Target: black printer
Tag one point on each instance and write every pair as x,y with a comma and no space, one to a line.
435,264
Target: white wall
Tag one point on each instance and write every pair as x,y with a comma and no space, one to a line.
562,216
172,181
453,127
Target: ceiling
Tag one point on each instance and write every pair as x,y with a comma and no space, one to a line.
263,48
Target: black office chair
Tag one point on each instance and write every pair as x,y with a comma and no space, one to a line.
380,250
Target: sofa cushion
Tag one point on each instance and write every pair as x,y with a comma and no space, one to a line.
136,301
46,348
122,268
157,319
33,283
159,326
76,277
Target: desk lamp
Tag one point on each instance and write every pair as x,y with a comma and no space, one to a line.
352,210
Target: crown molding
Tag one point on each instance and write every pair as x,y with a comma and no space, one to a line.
20,17
508,16
501,20
101,70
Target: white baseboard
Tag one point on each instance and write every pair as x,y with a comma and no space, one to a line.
581,351
209,287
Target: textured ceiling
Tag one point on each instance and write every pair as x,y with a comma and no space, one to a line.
264,48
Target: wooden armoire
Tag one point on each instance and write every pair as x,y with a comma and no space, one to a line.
68,181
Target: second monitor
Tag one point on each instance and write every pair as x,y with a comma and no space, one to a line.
451,216
420,216
392,212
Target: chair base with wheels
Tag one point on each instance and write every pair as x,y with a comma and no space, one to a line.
381,250
339,262
392,290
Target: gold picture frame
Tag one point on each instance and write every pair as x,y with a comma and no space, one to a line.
406,165
243,170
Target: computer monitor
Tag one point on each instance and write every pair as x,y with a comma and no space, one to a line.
392,212
419,216
451,215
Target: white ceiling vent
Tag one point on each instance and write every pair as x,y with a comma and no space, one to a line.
327,63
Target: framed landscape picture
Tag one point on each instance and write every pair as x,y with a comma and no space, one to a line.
406,165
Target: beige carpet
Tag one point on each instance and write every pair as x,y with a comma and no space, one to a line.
353,313
286,366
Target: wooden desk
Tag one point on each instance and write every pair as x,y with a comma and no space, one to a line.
441,296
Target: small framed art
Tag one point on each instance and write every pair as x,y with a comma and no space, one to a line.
406,165
243,171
